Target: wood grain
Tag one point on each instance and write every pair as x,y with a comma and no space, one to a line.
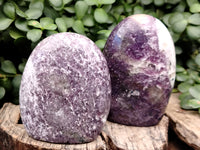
185,123
137,138
113,137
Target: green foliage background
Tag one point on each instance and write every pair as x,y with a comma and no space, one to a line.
23,23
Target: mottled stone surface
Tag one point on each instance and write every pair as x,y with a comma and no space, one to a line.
141,59
65,90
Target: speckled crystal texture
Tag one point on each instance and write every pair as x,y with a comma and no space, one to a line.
65,91
141,59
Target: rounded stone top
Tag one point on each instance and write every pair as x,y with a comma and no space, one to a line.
141,58
65,90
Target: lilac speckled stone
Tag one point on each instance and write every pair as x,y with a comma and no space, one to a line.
65,91
141,59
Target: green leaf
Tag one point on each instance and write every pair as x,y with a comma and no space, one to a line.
60,22
34,35
193,32
195,91
78,27
100,43
16,81
68,21
175,17
34,23
81,8
50,27
138,10
194,19
19,12
194,103
50,32
39,4
15,34
178,50
128,8
2,92
107,8
191,64
184,87
146,2
194,75
179,26
45,21
21,67
190,104
190,81
185,96
92,2
70,9
100,15
50,12
9,10
172,1
197,59
67,1
181,77
120,9
106,2
195,8
186,15
22,25
191,2
1,2
5,23
166,19
8,67
88,20
57,3
105,32
179,69
180,7
33,13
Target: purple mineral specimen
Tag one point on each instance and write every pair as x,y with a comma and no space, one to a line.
65,90
141,59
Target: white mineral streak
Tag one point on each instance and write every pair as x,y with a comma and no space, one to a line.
166,45
165,42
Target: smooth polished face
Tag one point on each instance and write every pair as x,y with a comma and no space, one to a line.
141,59
65,90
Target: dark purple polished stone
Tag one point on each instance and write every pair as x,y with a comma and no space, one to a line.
65,90
141,59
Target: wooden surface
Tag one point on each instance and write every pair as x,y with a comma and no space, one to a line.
114,136
185,123
137,138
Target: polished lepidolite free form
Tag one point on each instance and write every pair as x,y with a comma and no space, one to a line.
65,90
141,59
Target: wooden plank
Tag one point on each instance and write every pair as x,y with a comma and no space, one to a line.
137,138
